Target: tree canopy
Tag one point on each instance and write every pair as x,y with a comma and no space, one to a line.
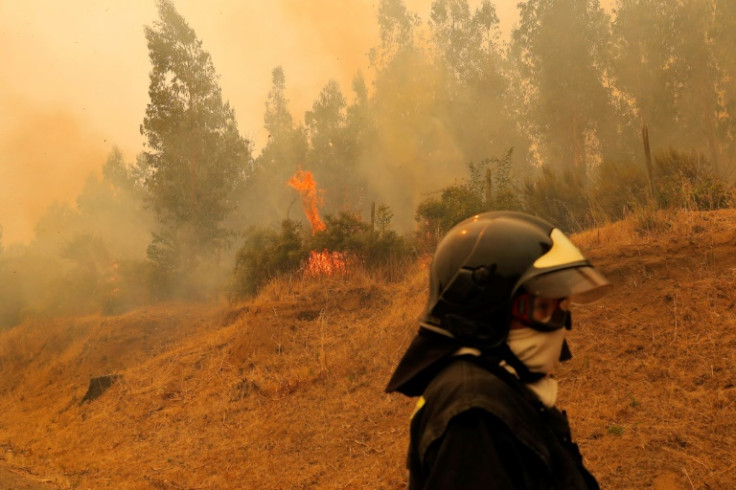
195,156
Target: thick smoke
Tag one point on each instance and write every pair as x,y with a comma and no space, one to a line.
424,112
46,157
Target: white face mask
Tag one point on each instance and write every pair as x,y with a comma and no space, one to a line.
539,351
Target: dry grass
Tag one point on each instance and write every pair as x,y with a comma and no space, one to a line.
652,389
286,390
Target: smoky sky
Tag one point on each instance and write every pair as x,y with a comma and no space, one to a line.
75,79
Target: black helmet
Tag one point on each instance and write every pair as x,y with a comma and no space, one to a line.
480,266
484,261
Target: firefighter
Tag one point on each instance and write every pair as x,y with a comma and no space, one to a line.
482,361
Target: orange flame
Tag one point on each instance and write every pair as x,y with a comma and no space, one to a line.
326,263
303,181
323,263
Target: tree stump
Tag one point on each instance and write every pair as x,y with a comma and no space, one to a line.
98,385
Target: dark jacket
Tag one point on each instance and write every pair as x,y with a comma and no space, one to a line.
476,426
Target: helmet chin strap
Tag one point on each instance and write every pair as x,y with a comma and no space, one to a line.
525,375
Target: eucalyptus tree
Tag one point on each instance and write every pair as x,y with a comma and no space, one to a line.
266,197
644,45
700,107
360,136
664,67
194,156
411,151
561,51
277,119
328,157
467,40
724,40
477,90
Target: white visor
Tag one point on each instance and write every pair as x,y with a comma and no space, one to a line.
582,284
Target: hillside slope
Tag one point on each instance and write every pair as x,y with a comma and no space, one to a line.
286,390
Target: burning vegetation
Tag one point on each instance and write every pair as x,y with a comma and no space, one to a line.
217,396
324,262
303,182
181,210
337,245
197,213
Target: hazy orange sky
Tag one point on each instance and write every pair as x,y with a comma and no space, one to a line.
75,78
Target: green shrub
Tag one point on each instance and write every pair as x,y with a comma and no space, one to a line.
686,180
489,186
372,246
437,215
126,285
619,189
345,232
266,254
559,198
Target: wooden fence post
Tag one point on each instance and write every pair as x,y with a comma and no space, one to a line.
648,155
